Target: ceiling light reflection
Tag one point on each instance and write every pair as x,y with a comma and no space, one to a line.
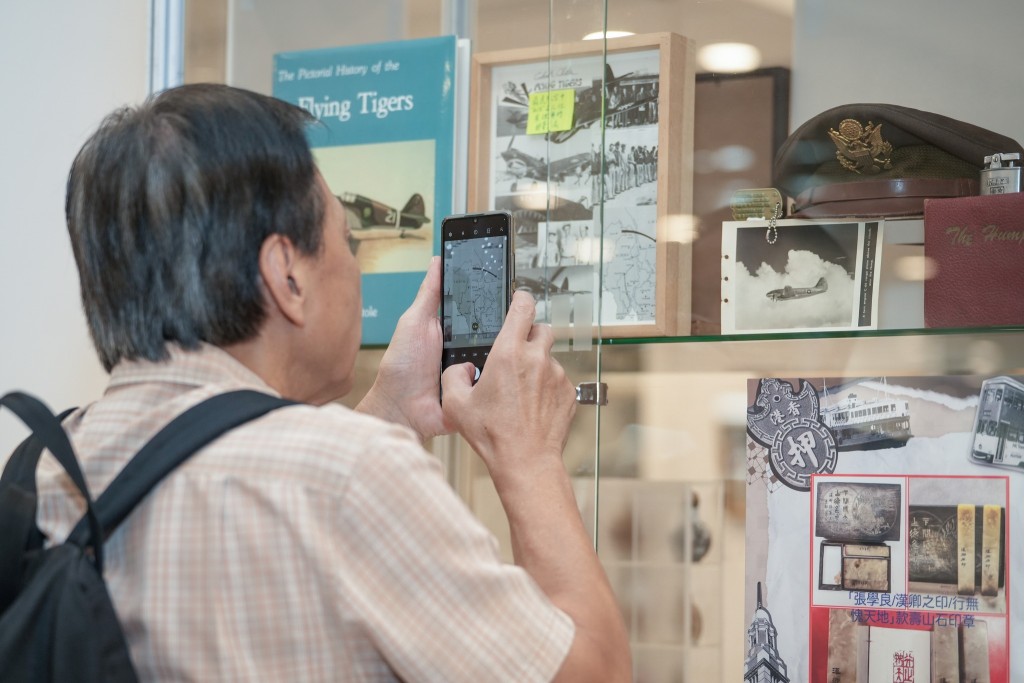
729,57
915,268
598,35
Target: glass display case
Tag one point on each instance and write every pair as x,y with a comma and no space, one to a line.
661,470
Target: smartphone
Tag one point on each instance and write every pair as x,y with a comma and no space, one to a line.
477,275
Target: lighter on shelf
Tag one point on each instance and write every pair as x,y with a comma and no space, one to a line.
997,178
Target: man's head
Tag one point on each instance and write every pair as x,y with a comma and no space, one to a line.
169,206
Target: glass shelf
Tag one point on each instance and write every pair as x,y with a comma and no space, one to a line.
843,334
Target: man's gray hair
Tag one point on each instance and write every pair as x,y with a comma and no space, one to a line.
167,207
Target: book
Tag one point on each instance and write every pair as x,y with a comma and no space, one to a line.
386,145
976,246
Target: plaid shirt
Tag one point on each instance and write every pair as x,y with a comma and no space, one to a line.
313,544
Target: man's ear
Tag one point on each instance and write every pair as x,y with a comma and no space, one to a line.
279,269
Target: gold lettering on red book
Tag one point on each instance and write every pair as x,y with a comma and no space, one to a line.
959,237
992,233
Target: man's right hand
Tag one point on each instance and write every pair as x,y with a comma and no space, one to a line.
517,418
518,413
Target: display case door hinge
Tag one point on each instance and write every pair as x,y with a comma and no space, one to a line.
592,393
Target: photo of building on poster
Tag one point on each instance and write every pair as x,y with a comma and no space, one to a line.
882,514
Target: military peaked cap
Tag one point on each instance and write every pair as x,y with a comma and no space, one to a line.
882,160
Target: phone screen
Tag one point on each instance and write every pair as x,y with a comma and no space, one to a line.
476,284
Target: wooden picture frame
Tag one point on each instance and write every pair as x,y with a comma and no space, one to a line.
606,200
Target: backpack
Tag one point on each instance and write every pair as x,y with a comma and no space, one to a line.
57,622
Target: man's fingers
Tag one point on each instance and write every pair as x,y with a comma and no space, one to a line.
428,298
456,382
519,318
542,334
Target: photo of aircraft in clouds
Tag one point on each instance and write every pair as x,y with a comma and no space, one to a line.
371,219
787,293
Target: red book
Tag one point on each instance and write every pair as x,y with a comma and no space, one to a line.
976,245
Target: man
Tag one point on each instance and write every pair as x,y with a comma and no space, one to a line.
315,543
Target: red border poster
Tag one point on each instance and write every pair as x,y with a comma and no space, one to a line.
883,529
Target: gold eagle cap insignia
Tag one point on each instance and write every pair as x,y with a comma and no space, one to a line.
861,149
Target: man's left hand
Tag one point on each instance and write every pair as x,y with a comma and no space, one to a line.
407,388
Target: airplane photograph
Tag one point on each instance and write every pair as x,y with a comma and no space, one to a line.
528,219
542,287
523,186
836,257
546,283
786,293
376,220
629,100
519,164
387,191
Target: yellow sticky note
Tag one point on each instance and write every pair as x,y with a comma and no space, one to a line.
550,111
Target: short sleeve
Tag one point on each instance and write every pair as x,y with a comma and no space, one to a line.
425,578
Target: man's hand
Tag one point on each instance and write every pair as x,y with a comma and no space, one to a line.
517,416
407,388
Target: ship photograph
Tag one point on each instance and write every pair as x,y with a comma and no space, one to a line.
871,422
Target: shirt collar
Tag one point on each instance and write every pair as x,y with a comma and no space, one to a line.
205,365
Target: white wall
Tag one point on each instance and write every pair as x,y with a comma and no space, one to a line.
66,64
257,29
958,59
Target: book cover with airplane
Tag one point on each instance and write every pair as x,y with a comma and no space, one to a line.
385,143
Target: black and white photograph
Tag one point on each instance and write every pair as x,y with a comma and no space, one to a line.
999,424
561,263
799,276
537,181
624,145
566,243
550,182
631,167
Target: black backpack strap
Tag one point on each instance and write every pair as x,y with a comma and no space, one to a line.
171,446
21,467
18,503
18,483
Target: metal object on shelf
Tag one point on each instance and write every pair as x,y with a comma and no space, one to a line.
592,393
998,177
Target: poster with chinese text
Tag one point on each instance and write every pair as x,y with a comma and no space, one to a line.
883,516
